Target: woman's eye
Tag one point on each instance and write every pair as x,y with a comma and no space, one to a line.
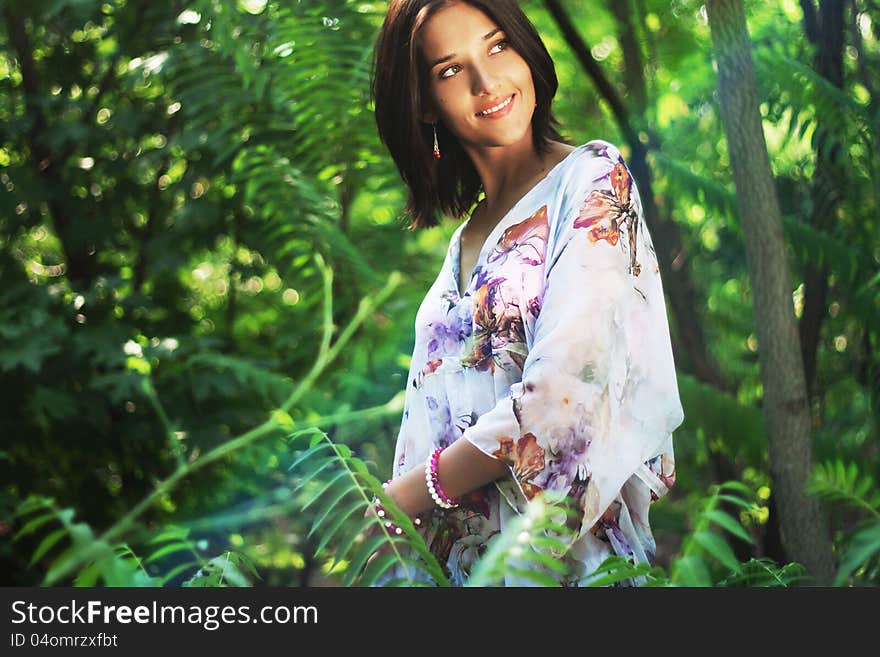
503,42
503,46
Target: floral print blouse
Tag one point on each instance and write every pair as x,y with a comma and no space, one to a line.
556,359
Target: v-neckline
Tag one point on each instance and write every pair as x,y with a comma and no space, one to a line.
456,261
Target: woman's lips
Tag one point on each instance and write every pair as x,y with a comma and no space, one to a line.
500,113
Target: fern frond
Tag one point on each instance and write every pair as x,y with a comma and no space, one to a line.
706,546
812,96
223,570
338,484
616,569
111,565
837,481
713,195
862,551
272,387
529,547
764,572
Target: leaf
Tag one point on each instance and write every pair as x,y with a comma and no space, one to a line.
169,549
540,558
690,571
863,545
308,455
174,572
617,569
169,533
332,528
737,500
330,508
727,522
376,568
737,485
36,523
33,503
532,575
46,544
718,548
359,558
88,576
328,464
324,487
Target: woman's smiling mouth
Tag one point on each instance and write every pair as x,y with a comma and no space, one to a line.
497,111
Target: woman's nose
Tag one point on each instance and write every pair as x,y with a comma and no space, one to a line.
485,81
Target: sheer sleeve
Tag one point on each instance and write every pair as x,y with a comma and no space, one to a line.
593,415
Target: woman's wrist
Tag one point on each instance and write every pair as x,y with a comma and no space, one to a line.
410,494
461,468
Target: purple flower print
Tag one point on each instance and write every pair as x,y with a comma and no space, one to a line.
482,278
441,422
598,149
567,462
497,323
618,539
445,338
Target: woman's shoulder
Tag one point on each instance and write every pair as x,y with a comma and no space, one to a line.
595,149
586,165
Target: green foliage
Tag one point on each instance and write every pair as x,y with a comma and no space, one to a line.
860,549
61,538
269,386
706,548
165,183
528,549
224,570
840,482
331,479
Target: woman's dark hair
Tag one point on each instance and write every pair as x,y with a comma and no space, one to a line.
450,184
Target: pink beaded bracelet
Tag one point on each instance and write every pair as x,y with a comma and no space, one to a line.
432,481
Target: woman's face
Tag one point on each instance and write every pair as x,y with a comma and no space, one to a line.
471,68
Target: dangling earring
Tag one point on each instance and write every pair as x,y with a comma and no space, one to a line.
436,145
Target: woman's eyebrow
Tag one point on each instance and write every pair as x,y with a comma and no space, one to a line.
448,57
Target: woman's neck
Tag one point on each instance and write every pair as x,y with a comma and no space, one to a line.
505,184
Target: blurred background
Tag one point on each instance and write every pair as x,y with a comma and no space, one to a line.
178,180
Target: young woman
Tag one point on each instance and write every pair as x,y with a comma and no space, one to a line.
542,361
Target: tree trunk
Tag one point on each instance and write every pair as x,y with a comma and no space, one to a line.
803,522
825,30
684,299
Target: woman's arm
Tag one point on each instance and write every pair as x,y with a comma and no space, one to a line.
462,467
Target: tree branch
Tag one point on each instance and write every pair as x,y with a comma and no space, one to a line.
811,20
591,66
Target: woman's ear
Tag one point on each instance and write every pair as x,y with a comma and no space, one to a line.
427,115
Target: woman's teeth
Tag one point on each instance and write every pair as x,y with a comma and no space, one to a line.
492,110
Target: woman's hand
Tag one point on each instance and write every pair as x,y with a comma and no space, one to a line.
374,529
406,501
